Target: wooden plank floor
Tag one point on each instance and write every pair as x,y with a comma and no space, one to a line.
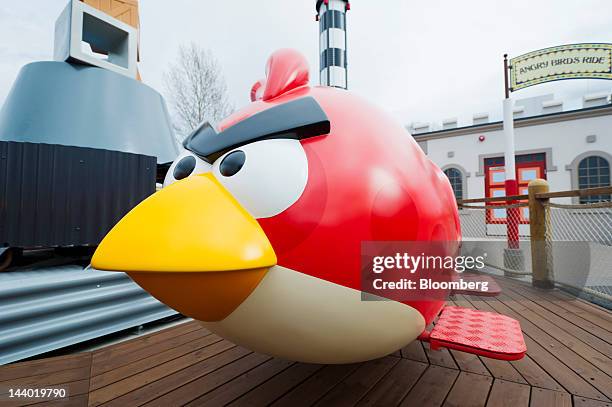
568,363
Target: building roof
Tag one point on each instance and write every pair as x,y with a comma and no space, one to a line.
594,111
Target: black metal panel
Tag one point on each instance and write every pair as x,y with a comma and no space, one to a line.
53,195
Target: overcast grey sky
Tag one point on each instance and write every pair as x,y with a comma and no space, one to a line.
420,60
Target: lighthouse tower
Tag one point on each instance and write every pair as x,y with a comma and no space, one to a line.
331,15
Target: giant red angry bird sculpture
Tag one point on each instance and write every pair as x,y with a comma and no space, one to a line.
258,229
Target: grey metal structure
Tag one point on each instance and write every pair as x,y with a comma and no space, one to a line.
83,106
53,195
47,309
80,145
106,35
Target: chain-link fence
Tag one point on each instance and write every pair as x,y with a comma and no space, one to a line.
569,245
580,238
501,230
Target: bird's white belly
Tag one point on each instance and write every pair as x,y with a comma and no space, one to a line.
295,316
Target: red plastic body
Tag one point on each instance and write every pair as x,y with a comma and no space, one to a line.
257,90
367,180
479,332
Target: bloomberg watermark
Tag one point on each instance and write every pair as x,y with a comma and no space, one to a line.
418,270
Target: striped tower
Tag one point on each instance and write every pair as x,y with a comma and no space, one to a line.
331,15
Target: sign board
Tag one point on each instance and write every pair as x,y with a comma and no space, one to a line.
585,61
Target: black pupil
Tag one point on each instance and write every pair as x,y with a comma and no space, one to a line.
232,163
184,167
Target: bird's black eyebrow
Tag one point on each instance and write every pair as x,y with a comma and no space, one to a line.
297,120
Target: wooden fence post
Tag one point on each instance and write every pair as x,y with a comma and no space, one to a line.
539,226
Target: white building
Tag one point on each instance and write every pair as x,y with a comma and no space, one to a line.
570,148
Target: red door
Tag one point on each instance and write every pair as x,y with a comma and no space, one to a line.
528,167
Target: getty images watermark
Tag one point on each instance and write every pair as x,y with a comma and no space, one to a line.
421,271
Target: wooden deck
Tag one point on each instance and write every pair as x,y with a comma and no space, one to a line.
568,363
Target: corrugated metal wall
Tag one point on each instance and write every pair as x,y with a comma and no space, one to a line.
46,309
54,195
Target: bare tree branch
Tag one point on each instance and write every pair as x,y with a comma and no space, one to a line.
196,90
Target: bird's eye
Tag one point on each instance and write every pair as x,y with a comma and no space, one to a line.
266,176
184,168
232,163
185,165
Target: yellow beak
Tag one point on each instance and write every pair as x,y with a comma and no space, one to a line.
192,246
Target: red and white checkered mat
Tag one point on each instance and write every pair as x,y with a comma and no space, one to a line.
479,332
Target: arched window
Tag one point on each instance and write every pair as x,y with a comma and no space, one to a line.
456,180
593,171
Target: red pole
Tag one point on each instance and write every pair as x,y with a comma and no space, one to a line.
512,214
